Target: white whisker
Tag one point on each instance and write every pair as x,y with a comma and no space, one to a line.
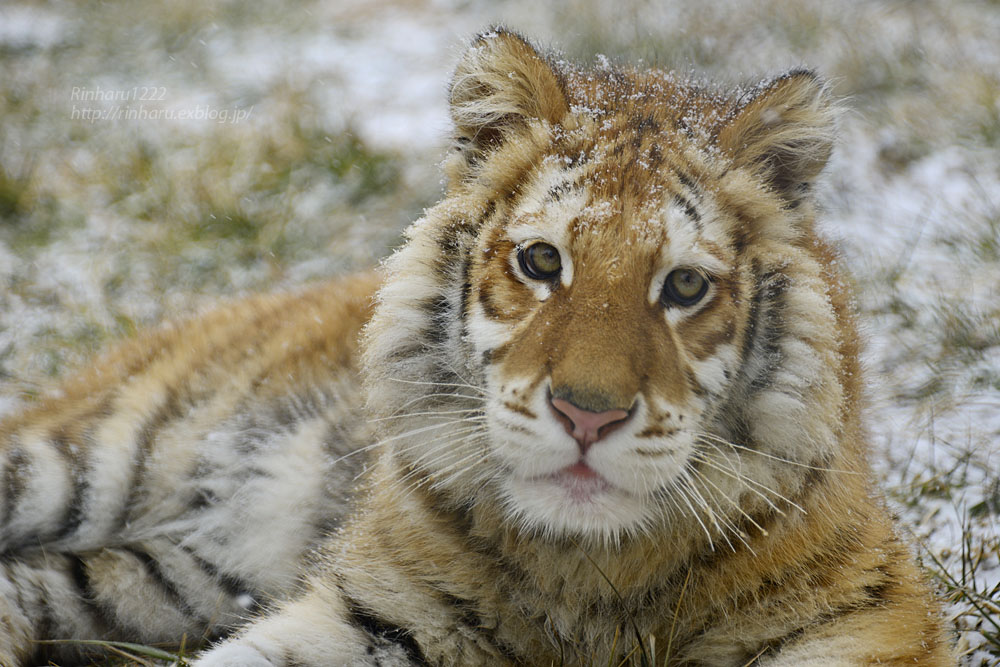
752,483
679,484
449,395
733,504
437,413
773,457
459,385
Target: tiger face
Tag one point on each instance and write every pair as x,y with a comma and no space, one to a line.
597,295
609,315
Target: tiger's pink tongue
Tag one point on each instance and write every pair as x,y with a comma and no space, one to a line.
581,470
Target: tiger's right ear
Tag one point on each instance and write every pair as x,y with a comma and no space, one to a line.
501,83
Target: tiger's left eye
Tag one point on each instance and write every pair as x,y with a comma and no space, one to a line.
684,287
539,261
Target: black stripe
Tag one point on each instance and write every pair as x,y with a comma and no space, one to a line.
144,443
438,311
696,387
156,574
777,645
556,192
655,157
76,456
466,286
14,483
286,415
407,353
570,161
488,211
689,208
753,317
80,575
380,629
20,607
648,124
464,609
289,660
764,332
15,582
876,595
80,475
688,182
490,309
232,585
684,126
469,617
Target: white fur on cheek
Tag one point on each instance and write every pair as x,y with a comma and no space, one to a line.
485,334
711,372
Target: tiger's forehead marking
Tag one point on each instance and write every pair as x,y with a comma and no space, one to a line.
552,198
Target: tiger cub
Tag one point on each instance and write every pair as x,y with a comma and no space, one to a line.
613,398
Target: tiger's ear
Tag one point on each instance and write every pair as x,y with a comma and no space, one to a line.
501,83
784,132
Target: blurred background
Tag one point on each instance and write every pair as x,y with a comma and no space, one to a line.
158,157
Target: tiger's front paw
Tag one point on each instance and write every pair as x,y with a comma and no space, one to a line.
234,655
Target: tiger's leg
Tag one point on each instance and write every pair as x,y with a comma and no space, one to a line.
318,629
871,636
150,593
212,515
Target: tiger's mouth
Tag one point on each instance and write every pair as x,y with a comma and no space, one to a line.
580,470
580,482
575,499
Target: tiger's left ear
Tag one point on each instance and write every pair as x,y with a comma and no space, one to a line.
784,133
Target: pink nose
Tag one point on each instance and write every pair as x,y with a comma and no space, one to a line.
587,427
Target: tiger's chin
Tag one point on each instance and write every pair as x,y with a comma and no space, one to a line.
576,501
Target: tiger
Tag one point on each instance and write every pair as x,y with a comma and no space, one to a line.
603,406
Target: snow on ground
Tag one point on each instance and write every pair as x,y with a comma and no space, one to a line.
109,223
927,272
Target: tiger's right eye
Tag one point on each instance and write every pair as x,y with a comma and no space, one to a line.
539,261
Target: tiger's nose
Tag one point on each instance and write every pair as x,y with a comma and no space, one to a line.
587,427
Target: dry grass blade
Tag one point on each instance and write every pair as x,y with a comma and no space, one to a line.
128,650
673,622
640,645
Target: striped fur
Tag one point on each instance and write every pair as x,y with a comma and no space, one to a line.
176,486
723,512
